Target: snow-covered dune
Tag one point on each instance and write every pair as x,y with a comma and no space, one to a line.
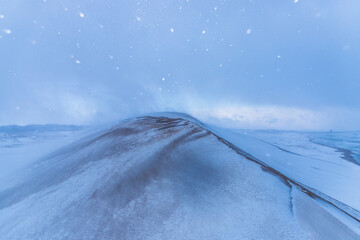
168,176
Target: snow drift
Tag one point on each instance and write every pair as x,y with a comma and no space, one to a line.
168,176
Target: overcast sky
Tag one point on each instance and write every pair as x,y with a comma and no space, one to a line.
280,64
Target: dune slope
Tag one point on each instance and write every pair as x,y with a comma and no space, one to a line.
163,177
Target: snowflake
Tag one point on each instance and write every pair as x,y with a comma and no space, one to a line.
7,31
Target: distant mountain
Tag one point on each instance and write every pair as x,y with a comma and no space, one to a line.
39,128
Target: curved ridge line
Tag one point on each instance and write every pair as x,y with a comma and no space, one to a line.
307,190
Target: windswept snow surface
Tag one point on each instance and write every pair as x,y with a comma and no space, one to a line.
295,155
21,145
321,145
168,176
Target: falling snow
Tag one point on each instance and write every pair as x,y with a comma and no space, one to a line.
7,31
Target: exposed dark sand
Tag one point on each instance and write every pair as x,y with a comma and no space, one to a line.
345,153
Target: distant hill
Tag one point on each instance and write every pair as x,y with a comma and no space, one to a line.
39,128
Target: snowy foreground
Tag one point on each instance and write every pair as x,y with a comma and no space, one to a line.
168,176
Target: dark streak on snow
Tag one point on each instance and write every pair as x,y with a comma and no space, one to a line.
291,199
345,153
134,181
310,192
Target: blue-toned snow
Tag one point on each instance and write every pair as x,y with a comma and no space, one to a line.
172,177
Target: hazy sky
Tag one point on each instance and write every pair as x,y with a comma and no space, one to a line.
251,64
